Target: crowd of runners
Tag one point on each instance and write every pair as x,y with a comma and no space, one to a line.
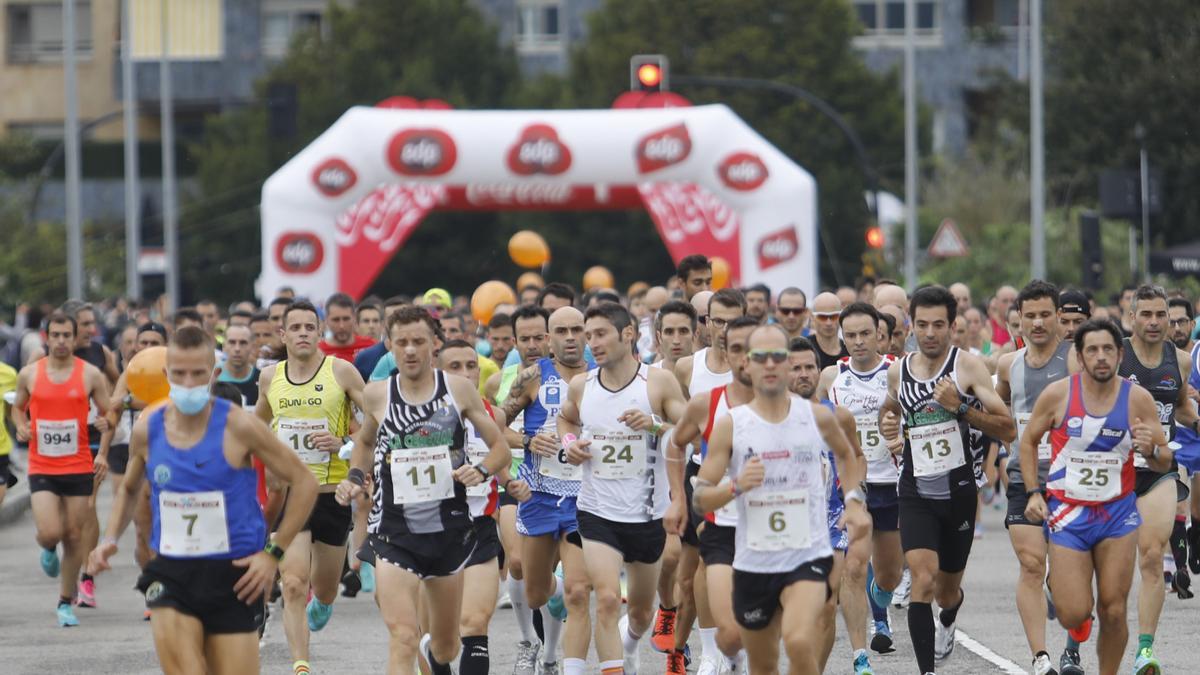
619,468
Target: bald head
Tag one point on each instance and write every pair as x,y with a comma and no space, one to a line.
890,294
825,303
895,342
700,303
655,298
566,335
825,310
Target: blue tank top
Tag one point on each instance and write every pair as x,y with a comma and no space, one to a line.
1188,440
834,486
202,507
543,411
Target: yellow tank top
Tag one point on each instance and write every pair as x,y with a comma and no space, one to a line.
301,409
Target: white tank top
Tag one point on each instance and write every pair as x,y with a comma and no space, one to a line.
704,380
863,395
726,516
782,523
626,478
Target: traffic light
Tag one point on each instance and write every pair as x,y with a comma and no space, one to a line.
648,73
874,237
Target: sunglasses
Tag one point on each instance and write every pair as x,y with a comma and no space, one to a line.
791,311
762,355
827,315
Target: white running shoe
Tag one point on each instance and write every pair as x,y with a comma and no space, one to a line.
943,641
900,595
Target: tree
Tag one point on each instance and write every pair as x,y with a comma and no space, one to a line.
375,49
801,42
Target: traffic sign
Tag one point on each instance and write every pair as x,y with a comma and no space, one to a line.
948,242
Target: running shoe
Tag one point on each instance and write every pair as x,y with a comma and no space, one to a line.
427,647
548,668
366,575
709,665
1042,665
662,638
86,594
1145,663
943,641
351,584
527,657
881,642
503,601
318,614
900,595
862,665
1182,584
675,665
50,562
1069,663
66,615
880,597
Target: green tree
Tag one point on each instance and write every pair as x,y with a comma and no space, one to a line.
806,43
375,49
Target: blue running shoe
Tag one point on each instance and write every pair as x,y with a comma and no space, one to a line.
881,642
66,615
318,614
880,597
50,562
862,666
558,609
366,574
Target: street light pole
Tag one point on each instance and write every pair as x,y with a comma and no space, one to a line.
170,215
133,244
1037,151
71,139
910,146
1140,133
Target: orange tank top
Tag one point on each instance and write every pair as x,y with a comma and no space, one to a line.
59,412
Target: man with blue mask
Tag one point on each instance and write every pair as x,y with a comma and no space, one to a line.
206,584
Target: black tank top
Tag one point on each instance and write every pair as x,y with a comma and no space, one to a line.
920,409
1162,381
93,353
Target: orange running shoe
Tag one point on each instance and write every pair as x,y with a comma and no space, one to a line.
663,637
676,663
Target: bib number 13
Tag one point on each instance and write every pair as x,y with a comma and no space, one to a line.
936,448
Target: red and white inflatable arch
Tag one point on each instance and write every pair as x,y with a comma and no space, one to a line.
334,215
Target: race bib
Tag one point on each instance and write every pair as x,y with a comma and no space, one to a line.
777,521
936,448
477,451
1043,447
1093,476
558,466
870,440
58,438
297,434
192,524
618,454
421,475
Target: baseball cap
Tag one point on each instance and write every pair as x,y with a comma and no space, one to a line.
1074,302
437,296
152,326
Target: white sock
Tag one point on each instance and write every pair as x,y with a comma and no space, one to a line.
708,641
552,628
628,641
574,666
558,588
516,593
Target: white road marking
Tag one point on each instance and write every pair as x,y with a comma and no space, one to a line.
988,655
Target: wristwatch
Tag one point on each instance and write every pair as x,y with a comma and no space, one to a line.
963,408
1038,490
274,550
482,470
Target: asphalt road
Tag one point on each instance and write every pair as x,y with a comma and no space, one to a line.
114,639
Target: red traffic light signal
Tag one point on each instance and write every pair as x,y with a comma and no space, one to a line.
875,237
648,73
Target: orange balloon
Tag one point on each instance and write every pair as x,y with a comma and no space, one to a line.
487,296
530,279
598,277
720,270
146,375
528,249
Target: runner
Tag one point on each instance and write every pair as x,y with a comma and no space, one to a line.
1090,511
1180,320
369,319
51,413
674,329
701,372
1073,309
791,311
481,578
1150,360
421,536
1022,376
343,342
716,534
547,521
529,328
783,554
8,392
898,344
624,493
826,310
306,399
700,304
758,301
848,563
932,390
206,585
858,383
695,275
239,369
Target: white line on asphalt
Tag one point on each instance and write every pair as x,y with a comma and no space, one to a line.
988,655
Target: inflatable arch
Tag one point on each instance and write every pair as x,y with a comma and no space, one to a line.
337,212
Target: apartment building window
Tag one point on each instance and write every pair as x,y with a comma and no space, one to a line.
999,13
284,20
883,20
34,31
539,25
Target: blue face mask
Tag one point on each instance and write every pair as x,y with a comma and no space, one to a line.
189,400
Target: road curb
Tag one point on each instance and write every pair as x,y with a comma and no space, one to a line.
16,503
